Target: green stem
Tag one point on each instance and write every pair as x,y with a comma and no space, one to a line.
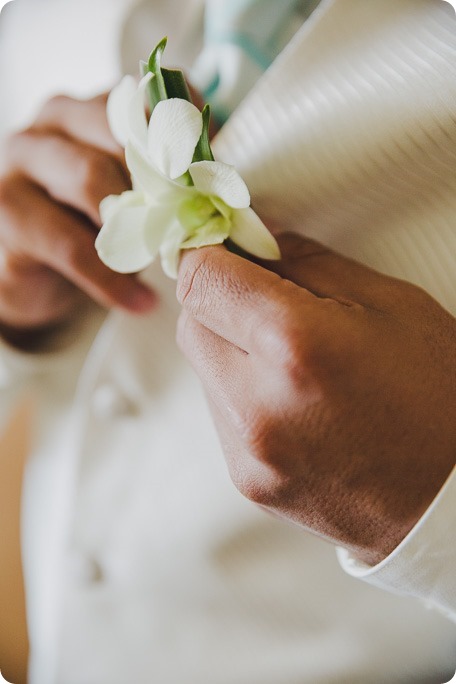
203,150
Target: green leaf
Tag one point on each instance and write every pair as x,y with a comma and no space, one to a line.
175,84
171,83
213,232
166,82
203,150
155,67
152,88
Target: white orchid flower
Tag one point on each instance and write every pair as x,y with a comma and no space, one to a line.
175,203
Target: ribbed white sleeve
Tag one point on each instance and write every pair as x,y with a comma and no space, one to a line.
350,137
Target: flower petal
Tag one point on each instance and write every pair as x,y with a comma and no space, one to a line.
221,207
159,221
170,249
174,130
112,203
137,120
214,232
117,109
249,232
151,181
222,180
121,243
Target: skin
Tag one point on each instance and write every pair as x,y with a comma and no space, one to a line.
53,177
331,385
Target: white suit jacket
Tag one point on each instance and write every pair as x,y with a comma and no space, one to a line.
142,562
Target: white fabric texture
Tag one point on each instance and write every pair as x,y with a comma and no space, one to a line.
422,565
374,160
144,564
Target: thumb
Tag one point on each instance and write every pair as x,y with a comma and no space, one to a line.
323,272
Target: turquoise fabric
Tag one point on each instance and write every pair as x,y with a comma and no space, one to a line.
257,31
256,26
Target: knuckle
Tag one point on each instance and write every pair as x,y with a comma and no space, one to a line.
111,175
92,168
98,170
257,430
292,348
250,487
15,273
9,202
13,228
299,356
259,484
53,108
98,100
259,439
204,279
6,192
71,252
12,146
9,265
193,281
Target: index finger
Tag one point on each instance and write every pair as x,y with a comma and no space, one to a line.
235,298
84,120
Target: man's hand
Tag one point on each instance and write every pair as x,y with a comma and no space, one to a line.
332,387
53,178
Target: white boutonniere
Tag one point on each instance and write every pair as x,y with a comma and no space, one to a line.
181,198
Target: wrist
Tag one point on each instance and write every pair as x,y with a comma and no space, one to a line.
401,516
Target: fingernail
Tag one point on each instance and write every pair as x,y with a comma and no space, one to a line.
141,299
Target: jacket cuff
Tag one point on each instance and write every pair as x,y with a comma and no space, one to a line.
423,565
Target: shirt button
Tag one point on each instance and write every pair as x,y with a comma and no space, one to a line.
85,570
109,402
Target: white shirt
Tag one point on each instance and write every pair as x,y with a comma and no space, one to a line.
142,562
